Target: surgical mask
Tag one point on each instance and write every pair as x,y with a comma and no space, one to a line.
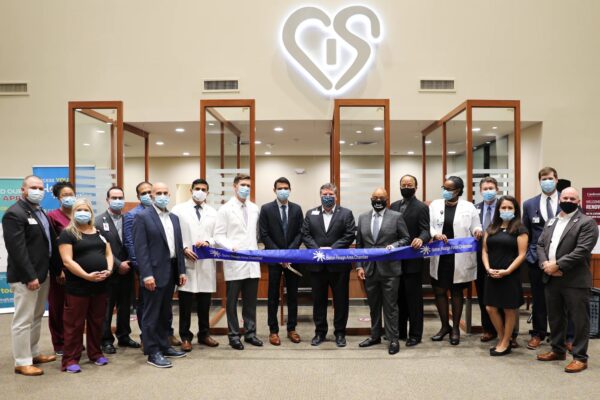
488,195
507,215
407,193
378,205
35,195
243,192
162,200
68,201
548,185
199,195
283,194
82,217
568,207
146,200
447,194
327,201
117,204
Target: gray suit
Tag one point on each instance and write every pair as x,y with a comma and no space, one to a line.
570,292
382,277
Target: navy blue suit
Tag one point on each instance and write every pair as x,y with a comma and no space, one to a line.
153,259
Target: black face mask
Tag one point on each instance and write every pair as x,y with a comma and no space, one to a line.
568,207
379,205
407,193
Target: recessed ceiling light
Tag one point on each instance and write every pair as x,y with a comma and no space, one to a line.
257,142
342,142
159,143
488,142
86,144
278,129
428,142
410,153
100,131
494,127
452,152
211,124
78,109
378,129
359,132
185,153
179,130
476,129
109,123
351,144
267,153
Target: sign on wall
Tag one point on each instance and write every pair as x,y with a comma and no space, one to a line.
51,175
10,190
333,51
590,204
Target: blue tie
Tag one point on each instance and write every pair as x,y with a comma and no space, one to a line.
549,208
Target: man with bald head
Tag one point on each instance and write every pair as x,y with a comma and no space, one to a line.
382,228
564,251
159,251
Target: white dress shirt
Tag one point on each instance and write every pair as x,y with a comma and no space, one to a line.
561,223
167,224
327,215
287,209
553,204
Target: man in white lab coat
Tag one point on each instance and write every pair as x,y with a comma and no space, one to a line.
236,229
197,221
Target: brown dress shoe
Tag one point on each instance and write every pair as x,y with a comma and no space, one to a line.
551,356
209,341
486,337
174,341
294,337
576,366
274,339
534,343
186,346
569,347
28,370
41,359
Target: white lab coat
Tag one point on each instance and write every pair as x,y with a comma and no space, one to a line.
466,223
201,274
232,233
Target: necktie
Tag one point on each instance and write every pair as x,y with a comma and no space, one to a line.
376,225
197,207
403,206
245,212
284,220
487,217
549,208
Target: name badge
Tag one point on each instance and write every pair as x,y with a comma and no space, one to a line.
535,220
479,211
32,221
551,222
316,212
105,226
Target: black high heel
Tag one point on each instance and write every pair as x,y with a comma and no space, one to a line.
455,338
438,337
495,353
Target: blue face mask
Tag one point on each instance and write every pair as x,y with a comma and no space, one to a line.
488,195
243,192
447,194
507,215
283,194
82,217
548,185
68,201
327,201
162,201
117,204
146,200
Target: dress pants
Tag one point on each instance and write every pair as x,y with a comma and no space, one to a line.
486,322
382,294
410,303
157,317
339,282
291,284
539,314
186,303
119,295
574,302
83,313
249,289
139,311
56,304
27,321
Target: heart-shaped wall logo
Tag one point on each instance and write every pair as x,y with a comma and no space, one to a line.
332,52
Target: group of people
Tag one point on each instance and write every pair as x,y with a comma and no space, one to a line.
85,266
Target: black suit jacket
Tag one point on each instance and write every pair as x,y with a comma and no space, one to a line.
152,248
270,226
27,245
117,247
340,235
416,217
480,211
533,221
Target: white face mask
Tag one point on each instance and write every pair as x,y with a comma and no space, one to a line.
35,195
199,195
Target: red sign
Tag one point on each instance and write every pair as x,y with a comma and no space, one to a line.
590,203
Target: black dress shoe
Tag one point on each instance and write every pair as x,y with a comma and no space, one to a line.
254,341
129,342
172,353
438,337
340,340
108,348
394,347
369,342
495,353
236,344
317,340
411,341
159,361
455,338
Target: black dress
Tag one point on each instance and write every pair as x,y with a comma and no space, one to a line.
445,271
505,292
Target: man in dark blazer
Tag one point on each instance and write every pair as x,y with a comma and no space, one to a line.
564,252
410,295
159,251
381,228
120,284
30,243
329,226
280,224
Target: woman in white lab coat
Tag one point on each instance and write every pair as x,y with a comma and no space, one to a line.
452,217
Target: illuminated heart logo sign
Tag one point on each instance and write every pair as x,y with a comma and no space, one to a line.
332,53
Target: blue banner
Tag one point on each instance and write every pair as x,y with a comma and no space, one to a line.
331,256
50,176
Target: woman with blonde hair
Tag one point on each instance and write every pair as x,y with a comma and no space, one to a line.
88,260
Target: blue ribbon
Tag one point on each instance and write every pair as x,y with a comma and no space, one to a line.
337,256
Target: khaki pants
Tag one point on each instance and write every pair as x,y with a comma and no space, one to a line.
27,321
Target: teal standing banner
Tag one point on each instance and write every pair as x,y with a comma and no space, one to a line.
10,191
